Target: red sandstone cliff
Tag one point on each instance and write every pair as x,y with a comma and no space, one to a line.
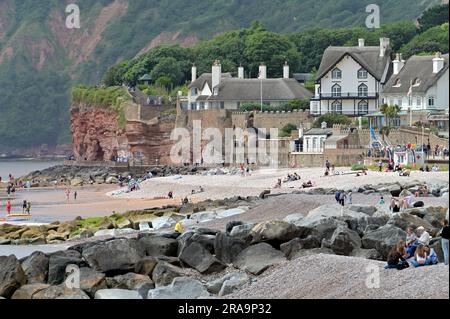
97,136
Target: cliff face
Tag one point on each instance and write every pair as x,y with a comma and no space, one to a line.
97,137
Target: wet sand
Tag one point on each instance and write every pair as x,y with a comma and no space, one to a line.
49,205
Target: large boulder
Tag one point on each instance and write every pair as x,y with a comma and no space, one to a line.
232,283
35,268
292,247
131,281
11,276
196,256
201,236
227,247
344,241
436,244
159,246
383,239
28,291
164,274
115,256
58,263
60,292
181,288
275,232
117,294
145,266
257,258
236,278
163,222
366,209
294,218
404,220
91,281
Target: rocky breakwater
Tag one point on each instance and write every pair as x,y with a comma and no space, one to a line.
433,188
205,263
83,175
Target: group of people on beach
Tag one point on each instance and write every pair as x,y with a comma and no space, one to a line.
415,249
11,195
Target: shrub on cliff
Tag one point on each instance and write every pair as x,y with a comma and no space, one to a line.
112,98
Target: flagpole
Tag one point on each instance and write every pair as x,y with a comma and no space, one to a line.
261,93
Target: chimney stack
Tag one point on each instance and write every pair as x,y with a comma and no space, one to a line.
241,72
262,72
286,70
438,63
384,45
398,63
194,72
361,43
216,74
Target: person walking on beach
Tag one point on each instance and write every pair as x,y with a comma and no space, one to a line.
350,198
24,206
380,165
67,195
28,210
8,207
342,197
445,238
75,195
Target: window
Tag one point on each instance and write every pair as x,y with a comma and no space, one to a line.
362,74
363,90
222,105
194,92
336,74
419,101
202,105
397,83
400,102
431,101
336,107
314,144
336,90
416,82
363,108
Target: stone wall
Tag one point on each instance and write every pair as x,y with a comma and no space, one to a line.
301,160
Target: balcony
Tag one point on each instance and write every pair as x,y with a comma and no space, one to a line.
346,95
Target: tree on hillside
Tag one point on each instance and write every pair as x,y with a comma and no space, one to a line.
332,119
433,40
170,68
434,16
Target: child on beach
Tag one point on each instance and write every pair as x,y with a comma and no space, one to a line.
8,207
28,210
24,206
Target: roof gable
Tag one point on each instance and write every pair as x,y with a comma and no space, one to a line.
417,67
367,57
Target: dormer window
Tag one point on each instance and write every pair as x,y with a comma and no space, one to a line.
416,82
397,83
336,74
362,73
194,91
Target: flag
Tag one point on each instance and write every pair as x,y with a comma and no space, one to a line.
372,133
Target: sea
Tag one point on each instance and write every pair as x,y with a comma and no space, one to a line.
21,167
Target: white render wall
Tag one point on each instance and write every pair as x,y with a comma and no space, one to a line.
349,81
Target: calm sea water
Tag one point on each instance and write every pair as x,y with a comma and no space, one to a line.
19,167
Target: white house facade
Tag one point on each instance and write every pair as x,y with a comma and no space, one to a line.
217,90
420,84
350,79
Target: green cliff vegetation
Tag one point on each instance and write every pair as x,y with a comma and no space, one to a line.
112,98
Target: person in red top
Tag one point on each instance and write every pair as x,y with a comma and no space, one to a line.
8,207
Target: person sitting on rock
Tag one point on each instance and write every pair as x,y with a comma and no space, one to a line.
308,184
420,257
411,242
432,258
425,237
396,257
179,228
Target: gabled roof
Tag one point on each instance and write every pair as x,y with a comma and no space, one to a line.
417,67
232,89
368,57
206,78
319,131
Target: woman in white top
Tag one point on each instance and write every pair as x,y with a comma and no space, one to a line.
425,237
